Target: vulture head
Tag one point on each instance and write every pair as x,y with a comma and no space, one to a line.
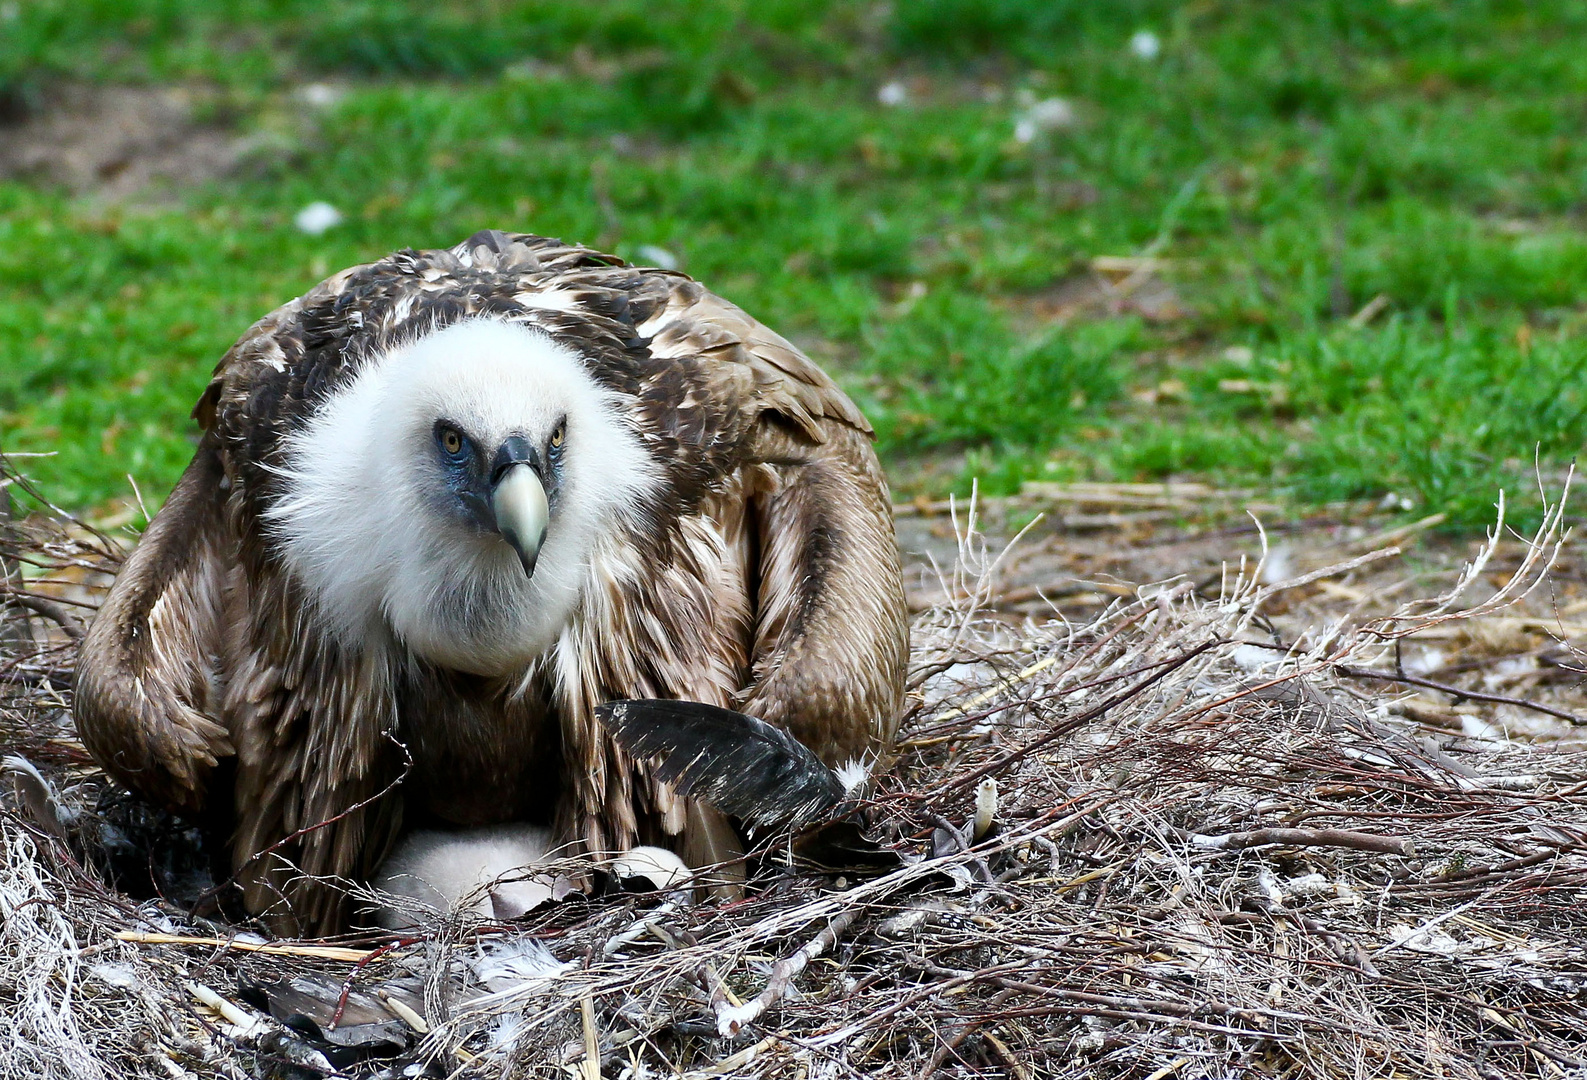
449,495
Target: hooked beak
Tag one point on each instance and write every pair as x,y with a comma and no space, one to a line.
519,502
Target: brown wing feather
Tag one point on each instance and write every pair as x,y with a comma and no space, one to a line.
832,633
145,703
831,629
682,628
801,494
313,769
755,369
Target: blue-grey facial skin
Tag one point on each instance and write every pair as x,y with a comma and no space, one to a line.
466,477
470,478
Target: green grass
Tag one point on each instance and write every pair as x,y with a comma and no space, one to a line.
1291,161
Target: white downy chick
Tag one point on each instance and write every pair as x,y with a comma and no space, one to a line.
488,871
485,871
663,870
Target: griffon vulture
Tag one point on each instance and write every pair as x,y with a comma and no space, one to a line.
446,504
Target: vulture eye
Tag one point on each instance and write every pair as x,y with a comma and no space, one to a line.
450,441
560,434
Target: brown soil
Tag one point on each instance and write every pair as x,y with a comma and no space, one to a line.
117,142
1098,544
1093,295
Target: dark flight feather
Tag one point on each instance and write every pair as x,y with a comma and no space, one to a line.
742,766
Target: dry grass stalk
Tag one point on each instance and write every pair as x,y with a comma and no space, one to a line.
1207,860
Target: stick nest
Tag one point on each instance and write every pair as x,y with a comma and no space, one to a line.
1210,854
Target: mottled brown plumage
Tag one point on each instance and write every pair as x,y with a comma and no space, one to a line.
760,573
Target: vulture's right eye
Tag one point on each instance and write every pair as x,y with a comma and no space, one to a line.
451,441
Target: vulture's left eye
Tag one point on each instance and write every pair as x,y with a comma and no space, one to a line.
559,435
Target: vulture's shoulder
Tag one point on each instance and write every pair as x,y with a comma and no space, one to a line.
698,368
743,362
699,377
287,362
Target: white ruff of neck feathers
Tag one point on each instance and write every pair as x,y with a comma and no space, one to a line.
362,523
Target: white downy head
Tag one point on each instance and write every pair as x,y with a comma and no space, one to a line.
450,495
489,872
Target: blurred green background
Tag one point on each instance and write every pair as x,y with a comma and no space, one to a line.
1328,248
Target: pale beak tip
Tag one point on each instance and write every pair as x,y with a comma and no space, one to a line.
527,557
519,503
